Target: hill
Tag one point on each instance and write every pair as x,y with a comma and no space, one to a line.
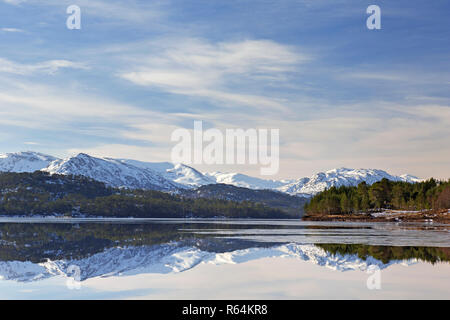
425,196
293,205
40,193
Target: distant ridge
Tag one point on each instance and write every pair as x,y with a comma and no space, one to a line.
167,176
340,177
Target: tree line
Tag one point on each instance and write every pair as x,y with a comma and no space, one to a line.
40,193
384,194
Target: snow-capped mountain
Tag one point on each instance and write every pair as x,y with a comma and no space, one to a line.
170,177
176,257
244,181
179,173
24,161
312,185
115,173
340,177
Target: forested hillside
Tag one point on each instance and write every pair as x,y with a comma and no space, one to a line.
40,193
385,194
274,199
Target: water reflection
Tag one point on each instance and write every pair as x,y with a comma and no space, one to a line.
32,251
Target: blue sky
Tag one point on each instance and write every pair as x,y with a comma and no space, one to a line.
341,95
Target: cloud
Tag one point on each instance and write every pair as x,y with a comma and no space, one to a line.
119,10
377,76
14,2
217,71
40,106
48,67
75,114
125,151
11,30
416,144
129,11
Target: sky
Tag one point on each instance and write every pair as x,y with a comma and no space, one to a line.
340,94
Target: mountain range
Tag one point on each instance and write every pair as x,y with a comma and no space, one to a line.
165,176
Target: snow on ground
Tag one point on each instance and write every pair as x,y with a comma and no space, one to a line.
389,213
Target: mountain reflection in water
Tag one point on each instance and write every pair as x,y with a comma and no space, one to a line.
34,251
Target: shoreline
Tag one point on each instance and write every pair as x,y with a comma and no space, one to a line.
441,216
65,219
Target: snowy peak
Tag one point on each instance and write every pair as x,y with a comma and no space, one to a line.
24,161
178,173
112,172
310,185
340,177
244,181
409,178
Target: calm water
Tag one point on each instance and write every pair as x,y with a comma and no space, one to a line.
226,259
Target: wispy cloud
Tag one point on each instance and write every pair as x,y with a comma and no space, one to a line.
28,105
137,12
48,67
14,2
11,30
217,71
377,76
